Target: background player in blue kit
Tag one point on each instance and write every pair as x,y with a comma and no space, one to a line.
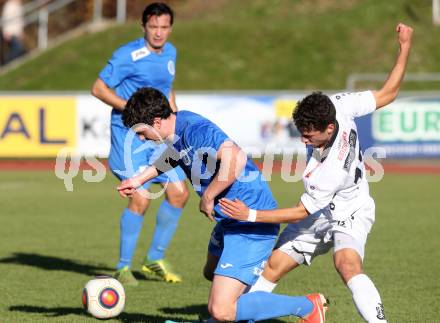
218,168
146,61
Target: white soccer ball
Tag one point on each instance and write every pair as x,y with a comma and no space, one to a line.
103,297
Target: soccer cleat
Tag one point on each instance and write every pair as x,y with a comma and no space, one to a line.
125,277
320,306
162,269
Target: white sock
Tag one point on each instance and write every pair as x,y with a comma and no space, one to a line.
366,298
263,285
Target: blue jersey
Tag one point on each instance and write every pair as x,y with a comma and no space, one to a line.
197,140
133,66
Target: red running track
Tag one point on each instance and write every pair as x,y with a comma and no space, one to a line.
413,167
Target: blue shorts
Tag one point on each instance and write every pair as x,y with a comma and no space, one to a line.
242,252
129,156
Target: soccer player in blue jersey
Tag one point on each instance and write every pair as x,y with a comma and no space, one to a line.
218,168
146,61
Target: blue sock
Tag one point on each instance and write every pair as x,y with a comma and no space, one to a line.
130,226
263,305
166,224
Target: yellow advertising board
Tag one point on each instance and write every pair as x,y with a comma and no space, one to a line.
36,126
284,108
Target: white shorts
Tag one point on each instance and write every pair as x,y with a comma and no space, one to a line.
317,234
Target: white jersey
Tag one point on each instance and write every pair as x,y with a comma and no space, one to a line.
334,178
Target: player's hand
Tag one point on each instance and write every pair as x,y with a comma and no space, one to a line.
127,192
235,209
127,187
404,34
206,206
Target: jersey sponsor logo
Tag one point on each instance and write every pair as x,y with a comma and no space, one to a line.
140,53
171,67
226,265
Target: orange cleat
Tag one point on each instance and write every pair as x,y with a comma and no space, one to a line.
320,306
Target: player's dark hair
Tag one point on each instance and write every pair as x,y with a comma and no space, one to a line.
157,9
145,105
315,112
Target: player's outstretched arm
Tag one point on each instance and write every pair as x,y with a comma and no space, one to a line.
391,87
101,91
129,186
238,210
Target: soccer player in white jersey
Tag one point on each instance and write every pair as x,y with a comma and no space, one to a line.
336,209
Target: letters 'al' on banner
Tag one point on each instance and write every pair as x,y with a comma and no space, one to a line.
36,126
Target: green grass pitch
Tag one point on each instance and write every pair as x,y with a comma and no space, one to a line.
54,241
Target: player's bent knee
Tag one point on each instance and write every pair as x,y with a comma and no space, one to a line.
348,269
348,263
138,205
178,198
278,265
182,198
272,272
222,312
